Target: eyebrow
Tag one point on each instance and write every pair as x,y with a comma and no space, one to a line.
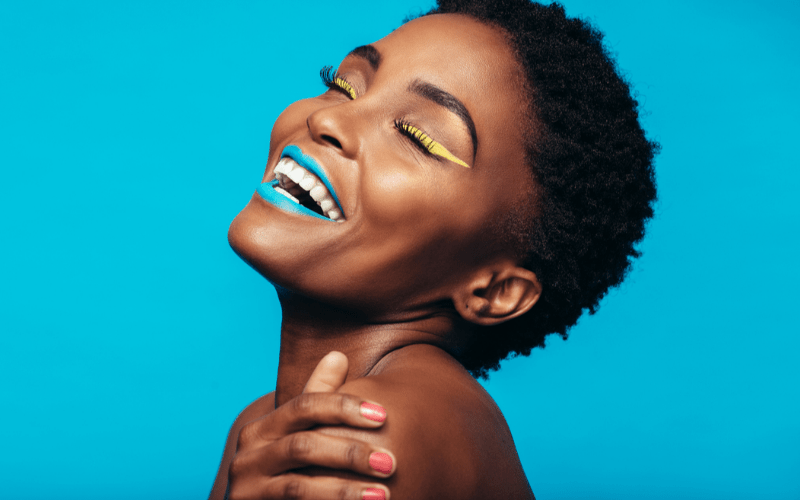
368,53
443,98
426,90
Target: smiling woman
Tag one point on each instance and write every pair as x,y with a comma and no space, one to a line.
467,185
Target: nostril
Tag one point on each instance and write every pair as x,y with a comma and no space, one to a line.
334,141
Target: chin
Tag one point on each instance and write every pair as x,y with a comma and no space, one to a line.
262,243
245,236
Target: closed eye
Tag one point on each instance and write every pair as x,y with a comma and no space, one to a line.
424,141
332,80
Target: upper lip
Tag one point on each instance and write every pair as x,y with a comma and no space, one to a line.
310,164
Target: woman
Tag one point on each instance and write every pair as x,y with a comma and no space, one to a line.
467,185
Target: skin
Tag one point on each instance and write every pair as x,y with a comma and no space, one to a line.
265,444
402,284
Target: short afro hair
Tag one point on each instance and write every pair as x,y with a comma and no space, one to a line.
590,162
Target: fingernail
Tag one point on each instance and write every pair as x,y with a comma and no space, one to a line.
381,462
373,412
374,494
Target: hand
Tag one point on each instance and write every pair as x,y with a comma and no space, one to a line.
270,447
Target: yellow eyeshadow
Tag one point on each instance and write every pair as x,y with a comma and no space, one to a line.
346,87
431,145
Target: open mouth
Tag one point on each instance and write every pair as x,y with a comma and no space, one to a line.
300,186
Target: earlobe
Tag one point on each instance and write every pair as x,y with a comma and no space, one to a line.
493,297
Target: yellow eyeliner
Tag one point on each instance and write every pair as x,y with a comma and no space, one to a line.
431,145
346,87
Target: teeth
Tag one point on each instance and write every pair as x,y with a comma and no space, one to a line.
283,192
319,193
283,167
297,174
308,182
326,205
292,177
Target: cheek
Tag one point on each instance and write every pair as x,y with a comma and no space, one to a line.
393,195
398,191
290,121
424,214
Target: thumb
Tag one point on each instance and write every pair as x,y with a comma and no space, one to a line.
330,373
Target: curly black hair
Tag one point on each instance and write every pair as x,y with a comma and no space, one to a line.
591,164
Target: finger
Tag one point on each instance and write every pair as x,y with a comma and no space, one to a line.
329,374
300,487
308,448
309,410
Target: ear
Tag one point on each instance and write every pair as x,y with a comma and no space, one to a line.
497,294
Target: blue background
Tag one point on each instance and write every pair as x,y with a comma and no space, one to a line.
131,133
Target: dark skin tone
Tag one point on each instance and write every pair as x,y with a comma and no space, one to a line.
402,283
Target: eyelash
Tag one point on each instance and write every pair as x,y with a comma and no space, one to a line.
416,135
332,80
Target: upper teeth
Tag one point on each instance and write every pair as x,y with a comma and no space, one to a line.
292,176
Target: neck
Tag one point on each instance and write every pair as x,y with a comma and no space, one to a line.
310,330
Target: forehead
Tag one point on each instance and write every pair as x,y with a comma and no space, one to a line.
451,44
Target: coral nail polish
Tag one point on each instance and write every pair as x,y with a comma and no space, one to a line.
381,462
374,494
373,412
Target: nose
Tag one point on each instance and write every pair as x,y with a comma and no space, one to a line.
334,127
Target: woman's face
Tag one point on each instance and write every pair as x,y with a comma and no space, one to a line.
421,140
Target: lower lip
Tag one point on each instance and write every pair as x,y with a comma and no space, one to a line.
267,191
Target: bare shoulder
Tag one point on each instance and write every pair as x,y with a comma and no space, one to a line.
254,410
449,437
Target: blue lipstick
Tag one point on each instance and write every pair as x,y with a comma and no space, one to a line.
312,166
267,189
